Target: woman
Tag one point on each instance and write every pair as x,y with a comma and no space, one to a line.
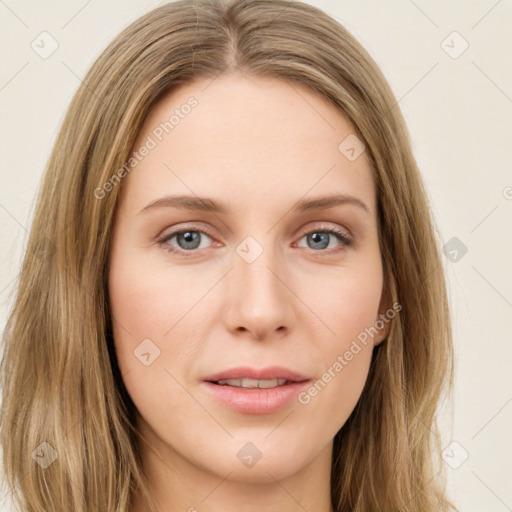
232,296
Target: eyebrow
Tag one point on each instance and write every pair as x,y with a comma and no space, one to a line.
205,204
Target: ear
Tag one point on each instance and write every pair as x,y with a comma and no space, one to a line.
383,320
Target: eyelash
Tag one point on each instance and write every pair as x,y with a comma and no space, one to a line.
342,237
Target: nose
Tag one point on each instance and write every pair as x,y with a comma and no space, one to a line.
258,298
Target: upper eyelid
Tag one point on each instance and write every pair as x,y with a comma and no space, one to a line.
323,226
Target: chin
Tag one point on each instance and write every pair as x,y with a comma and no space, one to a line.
260,461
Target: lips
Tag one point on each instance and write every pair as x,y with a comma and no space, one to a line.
252,391
269,373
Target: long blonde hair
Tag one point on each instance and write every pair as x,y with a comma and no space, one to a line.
63,395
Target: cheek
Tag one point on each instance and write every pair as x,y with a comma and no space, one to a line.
135,298
346,301
144,307
147,300
153,318
348,304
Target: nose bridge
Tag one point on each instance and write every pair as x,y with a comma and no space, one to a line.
258,300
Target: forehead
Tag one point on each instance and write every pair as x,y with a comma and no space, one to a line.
246,137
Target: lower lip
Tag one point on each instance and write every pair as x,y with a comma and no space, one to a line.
256,400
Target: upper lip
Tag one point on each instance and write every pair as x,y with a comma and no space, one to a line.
269,373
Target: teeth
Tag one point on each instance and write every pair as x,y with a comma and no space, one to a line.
252,383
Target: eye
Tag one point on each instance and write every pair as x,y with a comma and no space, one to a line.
320,239
187,240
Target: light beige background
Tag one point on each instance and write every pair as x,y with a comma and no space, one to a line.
459,110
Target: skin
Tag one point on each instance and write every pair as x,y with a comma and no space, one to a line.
258,146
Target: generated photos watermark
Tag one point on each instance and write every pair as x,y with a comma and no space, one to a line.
151,142
343,360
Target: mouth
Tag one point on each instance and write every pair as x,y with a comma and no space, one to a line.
252,391
253,383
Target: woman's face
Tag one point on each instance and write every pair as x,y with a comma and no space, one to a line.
223,268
